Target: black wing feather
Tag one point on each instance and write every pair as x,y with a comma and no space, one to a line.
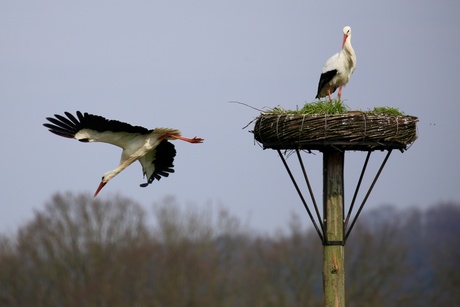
59,131
163,161
72,118
65,120
68,127
60,124
324,80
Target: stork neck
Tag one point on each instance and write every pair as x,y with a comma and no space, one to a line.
347,46
109,175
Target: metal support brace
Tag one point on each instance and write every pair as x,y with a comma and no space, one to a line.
367,194
320,234
318,223
357,187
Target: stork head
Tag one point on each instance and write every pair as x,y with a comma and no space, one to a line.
106,178
346,34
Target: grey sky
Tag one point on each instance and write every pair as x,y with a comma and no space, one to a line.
178,63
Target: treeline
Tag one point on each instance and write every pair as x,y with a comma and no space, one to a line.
78,251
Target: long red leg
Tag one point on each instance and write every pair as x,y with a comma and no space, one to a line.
194,140
329,93
340,92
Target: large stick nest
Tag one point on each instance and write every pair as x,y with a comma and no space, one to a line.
354,130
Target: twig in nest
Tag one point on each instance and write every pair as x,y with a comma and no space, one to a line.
249,124
247,105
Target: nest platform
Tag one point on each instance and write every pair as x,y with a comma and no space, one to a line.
353,130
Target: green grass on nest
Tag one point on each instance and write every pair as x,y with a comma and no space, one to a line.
331,107
385,111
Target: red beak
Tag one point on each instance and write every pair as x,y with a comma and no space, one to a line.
344,40
101,185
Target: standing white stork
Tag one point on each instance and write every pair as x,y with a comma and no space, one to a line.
338,68
150,147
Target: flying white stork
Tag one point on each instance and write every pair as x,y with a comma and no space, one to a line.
150,147
338,68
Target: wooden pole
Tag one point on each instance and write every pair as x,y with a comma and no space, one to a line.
333,245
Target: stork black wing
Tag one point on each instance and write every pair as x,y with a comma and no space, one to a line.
324,80
68,127
163,161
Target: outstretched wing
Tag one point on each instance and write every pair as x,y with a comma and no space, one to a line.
158,162
93,128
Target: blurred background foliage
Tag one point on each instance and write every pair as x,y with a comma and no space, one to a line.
79,251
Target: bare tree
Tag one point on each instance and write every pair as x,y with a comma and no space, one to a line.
442,233
375,260
67,256
78,251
